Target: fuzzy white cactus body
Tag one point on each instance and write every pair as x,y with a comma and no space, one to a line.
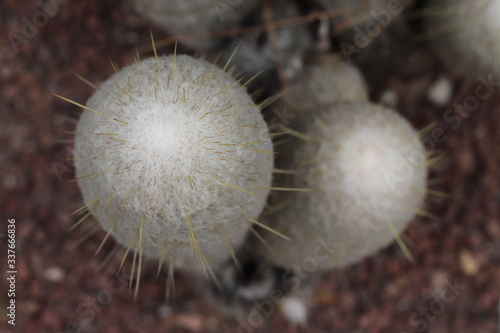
325,83
174,160
466,34
196,16
368,170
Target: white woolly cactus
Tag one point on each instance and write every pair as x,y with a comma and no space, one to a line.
195,17
174,160
369,171
466,34
324,83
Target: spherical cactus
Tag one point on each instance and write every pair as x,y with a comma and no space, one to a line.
324,83
195,17
174,159
465,34
368,170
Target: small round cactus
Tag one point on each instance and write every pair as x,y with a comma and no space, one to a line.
174,159
324,83
195,17
465,34
368,170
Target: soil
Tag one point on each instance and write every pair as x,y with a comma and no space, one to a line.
452,284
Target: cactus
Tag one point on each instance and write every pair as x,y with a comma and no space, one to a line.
174,160
369,172
465,34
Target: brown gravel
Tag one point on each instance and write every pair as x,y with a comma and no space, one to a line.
58,282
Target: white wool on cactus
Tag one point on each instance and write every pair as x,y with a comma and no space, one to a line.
465,34
324,83
368,169
174,160
191,17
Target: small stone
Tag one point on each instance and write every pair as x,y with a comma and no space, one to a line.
165,311
389,98
294,310
440,91
54,274
468,263
192,322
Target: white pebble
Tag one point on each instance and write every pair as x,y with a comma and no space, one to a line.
165,311
440,91
54,274
389,98
294,310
